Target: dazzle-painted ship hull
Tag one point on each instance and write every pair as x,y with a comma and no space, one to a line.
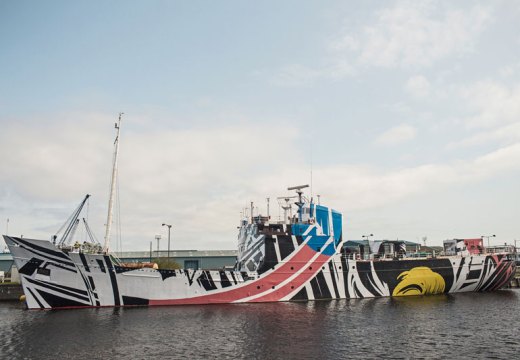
276,262
299,258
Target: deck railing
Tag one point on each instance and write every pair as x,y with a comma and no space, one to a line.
424,255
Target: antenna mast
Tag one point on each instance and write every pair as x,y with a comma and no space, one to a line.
311,169
112,187
300,203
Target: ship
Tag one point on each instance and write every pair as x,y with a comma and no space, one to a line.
298,258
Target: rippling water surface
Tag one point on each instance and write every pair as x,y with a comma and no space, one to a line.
484,325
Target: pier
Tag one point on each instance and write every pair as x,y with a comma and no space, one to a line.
10,291
515,282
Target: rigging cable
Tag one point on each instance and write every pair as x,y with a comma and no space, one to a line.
72,232
85,221
118,201
71,222
91,235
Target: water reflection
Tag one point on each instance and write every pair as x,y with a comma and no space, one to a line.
461,325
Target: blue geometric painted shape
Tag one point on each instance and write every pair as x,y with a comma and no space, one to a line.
317,242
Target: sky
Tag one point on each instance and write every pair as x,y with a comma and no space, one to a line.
406,113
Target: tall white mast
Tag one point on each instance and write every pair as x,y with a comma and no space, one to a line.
112,187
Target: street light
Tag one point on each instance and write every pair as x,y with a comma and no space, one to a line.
487,236
363,246
169,228
366,236
158,238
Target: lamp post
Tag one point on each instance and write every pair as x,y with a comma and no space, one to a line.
169,228
487,237
158,238
365,237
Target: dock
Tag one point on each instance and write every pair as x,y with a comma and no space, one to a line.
515,282
10,291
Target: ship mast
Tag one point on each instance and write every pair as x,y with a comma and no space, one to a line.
112,187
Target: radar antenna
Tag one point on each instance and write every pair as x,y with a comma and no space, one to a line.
300,202
285,206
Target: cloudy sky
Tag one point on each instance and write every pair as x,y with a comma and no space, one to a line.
408,113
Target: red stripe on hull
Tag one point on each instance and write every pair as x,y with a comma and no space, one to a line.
288,288
255,287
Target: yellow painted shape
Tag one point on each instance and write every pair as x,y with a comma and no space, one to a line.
419,281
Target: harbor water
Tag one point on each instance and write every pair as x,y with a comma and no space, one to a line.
471,325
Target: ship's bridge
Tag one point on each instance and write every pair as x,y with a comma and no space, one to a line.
303,222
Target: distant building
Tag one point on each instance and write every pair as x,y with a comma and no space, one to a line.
8,268
187,259
6,262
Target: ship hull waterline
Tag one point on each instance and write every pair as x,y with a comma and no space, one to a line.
53,279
